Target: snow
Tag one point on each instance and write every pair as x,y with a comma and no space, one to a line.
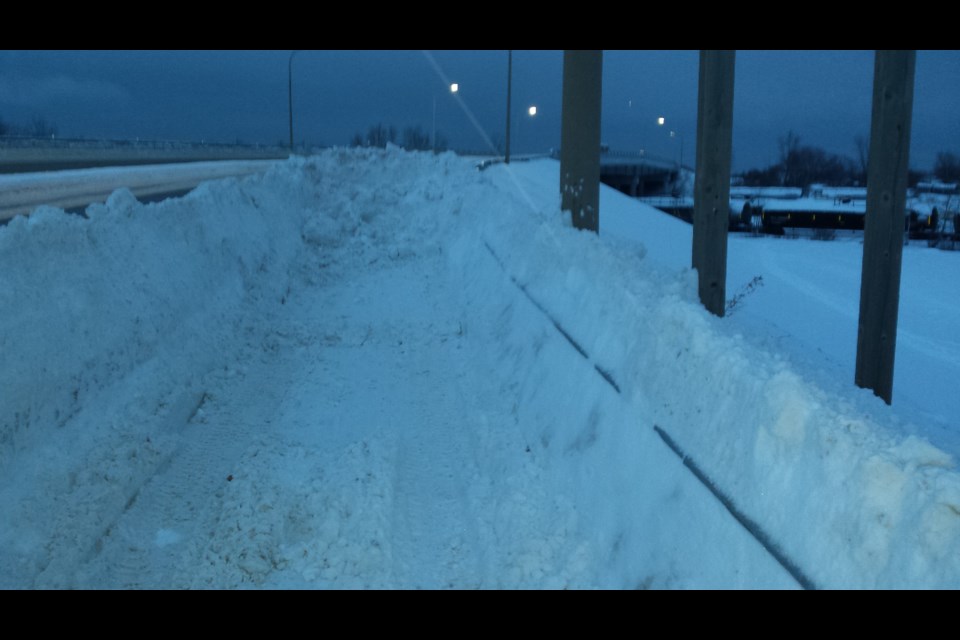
749,193
21,193
378,369
816,204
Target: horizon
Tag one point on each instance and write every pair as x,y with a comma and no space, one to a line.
824,97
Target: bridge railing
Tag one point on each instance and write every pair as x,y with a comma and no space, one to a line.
611,156
53,142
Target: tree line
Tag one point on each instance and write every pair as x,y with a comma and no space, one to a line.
413,138
39,127
802,165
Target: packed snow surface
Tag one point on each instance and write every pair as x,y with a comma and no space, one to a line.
378,369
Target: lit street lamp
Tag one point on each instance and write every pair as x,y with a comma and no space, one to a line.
531,111
454,88
674,134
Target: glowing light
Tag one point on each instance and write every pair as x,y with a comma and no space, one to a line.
454,87
660,121
532,111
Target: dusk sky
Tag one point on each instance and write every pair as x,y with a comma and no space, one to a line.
225,96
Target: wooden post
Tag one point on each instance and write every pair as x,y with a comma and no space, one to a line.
580,138
711,193
885,221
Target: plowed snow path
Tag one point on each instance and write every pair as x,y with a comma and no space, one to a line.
345,455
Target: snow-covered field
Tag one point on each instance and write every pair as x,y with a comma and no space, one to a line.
381,369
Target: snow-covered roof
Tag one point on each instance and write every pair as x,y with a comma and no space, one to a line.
816,205
765,192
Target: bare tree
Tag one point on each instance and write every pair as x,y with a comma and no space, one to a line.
947,167
863,154
40,128
789,145
416,139
379,135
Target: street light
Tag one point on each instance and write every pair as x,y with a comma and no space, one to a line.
681,181
290,88
531,111
506,157
673,134
454,88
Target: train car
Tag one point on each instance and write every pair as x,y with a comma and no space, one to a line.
933,208
811,213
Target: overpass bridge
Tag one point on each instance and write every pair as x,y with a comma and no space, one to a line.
638,174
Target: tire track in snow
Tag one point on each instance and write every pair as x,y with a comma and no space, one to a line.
436,543
165,528
411,366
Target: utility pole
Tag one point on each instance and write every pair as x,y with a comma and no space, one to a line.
711,192
884,224
580,138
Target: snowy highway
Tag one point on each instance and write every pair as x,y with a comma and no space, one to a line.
21,193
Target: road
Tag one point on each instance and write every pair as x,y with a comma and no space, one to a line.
21,194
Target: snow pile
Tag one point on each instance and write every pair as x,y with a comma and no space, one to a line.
380,369
845,496
114,326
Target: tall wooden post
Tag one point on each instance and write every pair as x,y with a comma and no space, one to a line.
711,193
580,138
885,221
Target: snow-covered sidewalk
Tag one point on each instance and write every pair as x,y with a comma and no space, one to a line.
342,454
376,369
339,434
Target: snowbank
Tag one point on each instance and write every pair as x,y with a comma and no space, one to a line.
847,497
547,372
110,326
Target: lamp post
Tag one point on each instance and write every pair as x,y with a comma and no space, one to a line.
676,134
454,88
506,157
531,111
673,134
290,94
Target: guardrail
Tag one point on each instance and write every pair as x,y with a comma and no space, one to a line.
53,142
25,154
